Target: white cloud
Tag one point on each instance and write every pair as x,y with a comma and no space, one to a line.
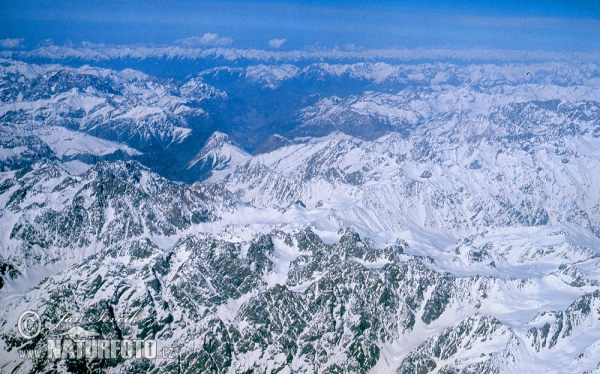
87,44
11,43
276,43
206,39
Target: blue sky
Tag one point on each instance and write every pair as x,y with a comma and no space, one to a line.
524,25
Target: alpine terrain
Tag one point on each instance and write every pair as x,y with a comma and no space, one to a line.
257,212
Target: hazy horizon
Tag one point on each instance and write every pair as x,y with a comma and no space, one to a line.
551,26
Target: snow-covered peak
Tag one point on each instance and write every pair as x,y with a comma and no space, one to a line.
217,140
197,89
219,152
271,76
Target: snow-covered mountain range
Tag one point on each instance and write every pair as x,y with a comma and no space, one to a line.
306,217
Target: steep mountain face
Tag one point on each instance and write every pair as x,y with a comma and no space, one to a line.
359,218
49,215
219,152
91,114
452,349
119,106
164,123
460,176
288,301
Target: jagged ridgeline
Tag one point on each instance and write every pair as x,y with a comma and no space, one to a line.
234,307
279,301
90,114
303,217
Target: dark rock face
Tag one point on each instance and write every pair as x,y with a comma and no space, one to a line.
109,204
7,271
212,299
